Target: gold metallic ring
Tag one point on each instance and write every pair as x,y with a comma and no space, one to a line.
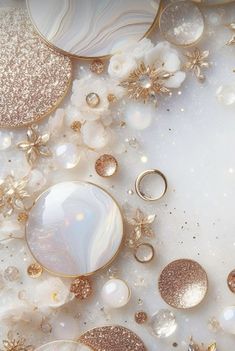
139,179
148,256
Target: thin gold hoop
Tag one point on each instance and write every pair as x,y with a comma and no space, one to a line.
139,179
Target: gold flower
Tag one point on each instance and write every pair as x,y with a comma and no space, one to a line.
195,347
35,146
12,194
142,227
232,40
197,61
16,345
146,82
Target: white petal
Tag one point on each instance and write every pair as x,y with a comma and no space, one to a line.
171,62
176,80
94,135
139,116
56,122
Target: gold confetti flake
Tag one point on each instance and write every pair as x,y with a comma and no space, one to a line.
34,78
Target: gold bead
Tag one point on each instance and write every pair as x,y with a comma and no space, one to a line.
92,100
34,270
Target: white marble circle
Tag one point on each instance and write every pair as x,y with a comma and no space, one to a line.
92,28
74,228
63,345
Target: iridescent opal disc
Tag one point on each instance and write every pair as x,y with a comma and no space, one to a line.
63,345
74,228
92,28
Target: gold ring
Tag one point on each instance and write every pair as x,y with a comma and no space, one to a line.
144,258
139,179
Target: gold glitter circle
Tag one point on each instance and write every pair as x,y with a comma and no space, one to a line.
35,270
231,281
141,317
34,78
112,338
81,288
183,283
106,165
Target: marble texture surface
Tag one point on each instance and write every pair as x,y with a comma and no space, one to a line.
74,229
61,345
92,28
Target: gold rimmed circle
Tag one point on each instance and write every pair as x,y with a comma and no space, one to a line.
215,2
144,246
139,180
183,284
71,344
105,56
60,274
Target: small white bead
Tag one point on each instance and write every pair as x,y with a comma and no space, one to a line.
115,293
227,319
66,155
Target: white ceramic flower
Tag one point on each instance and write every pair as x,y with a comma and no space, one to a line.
94,135
139,49
52,292
120,65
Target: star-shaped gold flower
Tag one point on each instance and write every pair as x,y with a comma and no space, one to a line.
36,145
142,227
16,345
232,40
146,82
12,195
197,60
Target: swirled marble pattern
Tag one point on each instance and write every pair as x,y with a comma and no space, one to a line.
61,345
74,228
92,28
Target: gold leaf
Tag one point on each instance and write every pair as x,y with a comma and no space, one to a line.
212,347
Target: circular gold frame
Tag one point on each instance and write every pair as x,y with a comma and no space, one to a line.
40,348
149,31
139,179
97,270
145,245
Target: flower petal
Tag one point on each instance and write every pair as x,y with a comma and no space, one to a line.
176,80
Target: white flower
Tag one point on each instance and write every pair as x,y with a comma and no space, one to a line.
139,49
94,135
52,293
120,65
55,123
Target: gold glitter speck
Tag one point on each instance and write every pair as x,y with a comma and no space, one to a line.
35,270
34,78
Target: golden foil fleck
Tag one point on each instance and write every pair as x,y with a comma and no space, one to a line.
76,126
112,338
22,217
34,78
183,283
81,287
106,165
35,270
231,281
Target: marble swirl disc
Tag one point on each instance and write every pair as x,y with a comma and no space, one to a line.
213,2
63,345
34,78
74,228
92,28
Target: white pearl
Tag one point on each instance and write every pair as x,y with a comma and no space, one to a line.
64,327
5,140
115,293
226,94
139,116
227,319
66,155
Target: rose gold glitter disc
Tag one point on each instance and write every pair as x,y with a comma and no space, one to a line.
34,78
183,283
106,165
112,338
231,281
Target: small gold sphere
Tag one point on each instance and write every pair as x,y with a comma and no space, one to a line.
34,270
92,100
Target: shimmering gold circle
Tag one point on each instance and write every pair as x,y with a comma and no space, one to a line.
112,338
147,247
183,283
106,165
139,180
34,78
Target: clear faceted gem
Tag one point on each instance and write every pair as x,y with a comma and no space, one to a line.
163,323
92,100
145,81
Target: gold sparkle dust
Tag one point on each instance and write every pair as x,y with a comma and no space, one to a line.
197,60
34,78
106,165
232,40
22,217
141,317
76,126
183,283
35,146
146,82
112,338
34,270
81,287
97,66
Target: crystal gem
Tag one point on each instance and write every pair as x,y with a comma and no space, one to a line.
163,323
92,100
145,81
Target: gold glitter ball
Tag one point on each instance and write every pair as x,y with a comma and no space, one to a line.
34,78
141,317
112,98
106,165
183,283
92,100
97,66
112,338
76,126
22,217
81,287
34,270
231,281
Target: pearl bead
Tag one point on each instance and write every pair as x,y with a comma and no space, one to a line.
64,327
5,140
115,293
227,319
66,155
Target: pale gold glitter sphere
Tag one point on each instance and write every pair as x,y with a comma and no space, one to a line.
81,287
97,66
106,165
183,283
